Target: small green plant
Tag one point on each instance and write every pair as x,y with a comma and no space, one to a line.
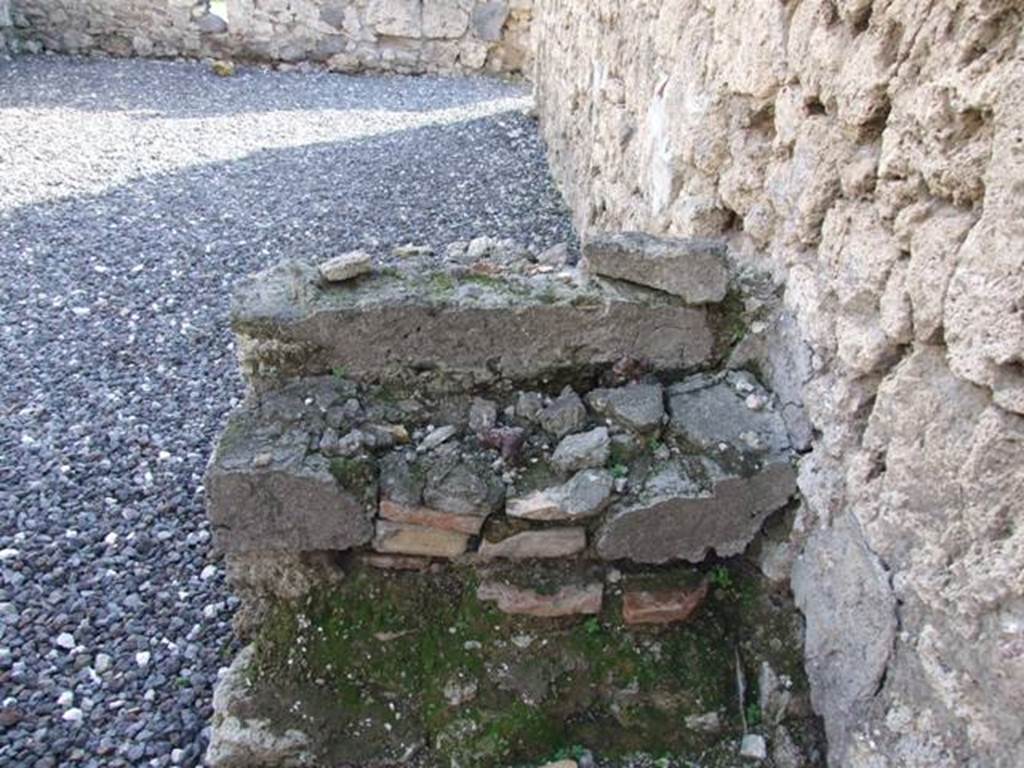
663,762
339,372
442,283
753,713
574,752
721,577
592,626
619,471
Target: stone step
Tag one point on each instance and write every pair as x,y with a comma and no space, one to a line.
401,321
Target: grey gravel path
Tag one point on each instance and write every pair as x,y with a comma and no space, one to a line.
132,195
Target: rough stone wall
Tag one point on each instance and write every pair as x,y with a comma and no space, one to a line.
869,156
6,26
347,35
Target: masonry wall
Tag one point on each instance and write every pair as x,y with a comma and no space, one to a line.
345,35
868,156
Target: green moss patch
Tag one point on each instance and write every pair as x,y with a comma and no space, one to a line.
388,664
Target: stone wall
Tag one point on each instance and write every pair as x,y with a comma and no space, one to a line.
6,25
346,35
868,157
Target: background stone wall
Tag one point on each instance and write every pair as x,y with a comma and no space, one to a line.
6,25
347,35
869,156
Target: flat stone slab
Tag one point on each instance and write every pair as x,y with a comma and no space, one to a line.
681,527
694,270
400,322
264,492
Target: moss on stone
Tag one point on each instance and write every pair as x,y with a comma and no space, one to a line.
371,660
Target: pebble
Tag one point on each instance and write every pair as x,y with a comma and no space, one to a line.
754,747
142,658
66,641
436,438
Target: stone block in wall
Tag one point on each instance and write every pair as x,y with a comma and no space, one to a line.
394,18
488,19
444,19
264,492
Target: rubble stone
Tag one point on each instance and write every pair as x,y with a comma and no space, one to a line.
582,451
264,493
683,527
463,488
639,407
694,270
565,414
346,266
586,494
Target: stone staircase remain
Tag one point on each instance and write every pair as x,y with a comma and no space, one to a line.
478,509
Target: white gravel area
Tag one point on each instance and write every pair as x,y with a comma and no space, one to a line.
133,194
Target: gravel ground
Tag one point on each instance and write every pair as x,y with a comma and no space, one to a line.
132,195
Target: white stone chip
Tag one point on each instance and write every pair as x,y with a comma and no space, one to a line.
754,747
346,266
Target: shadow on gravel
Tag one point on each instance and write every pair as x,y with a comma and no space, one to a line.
190,89
118,371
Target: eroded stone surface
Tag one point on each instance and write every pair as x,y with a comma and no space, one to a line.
676,526
240,742
639,407
391,325
694,270
263,493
